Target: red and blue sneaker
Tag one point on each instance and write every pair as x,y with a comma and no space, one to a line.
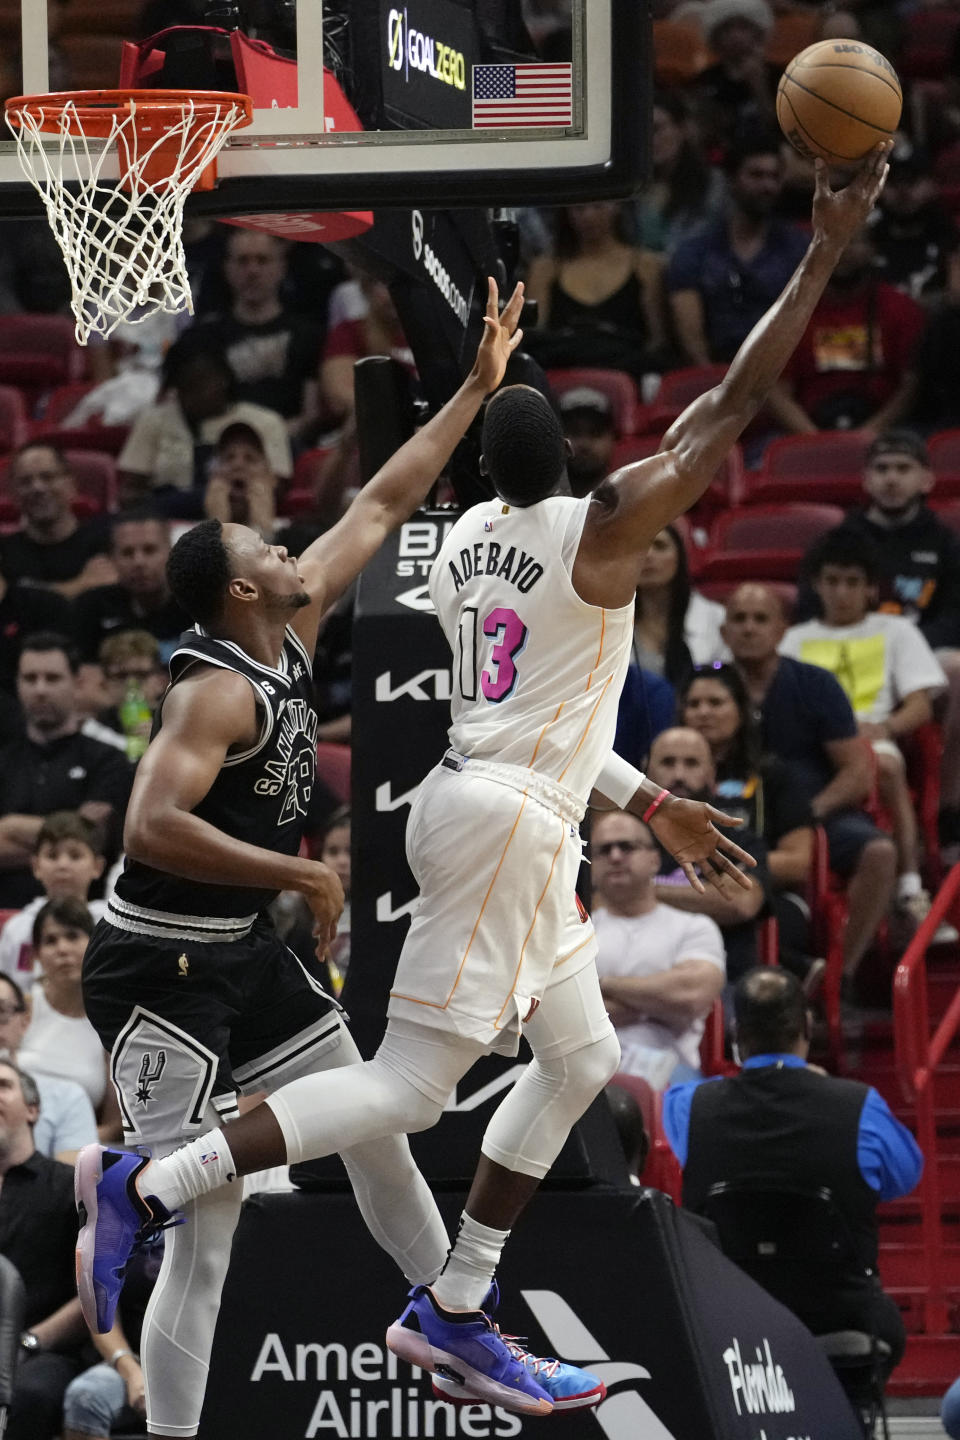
115,1220
569,1387
468,1350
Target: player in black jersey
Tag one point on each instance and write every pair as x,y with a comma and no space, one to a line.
185,980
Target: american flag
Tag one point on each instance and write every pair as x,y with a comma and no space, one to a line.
505,95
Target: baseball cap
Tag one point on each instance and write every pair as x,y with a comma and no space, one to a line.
899,442
255,421
584,397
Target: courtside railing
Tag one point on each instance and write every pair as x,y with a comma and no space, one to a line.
917,1054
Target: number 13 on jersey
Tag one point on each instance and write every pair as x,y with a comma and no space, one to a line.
498,679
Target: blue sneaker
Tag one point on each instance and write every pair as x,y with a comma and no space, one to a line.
569,1387
468,1350
115,1220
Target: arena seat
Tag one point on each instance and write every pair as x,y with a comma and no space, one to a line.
333,767
765,542
39,352
14,426
616,385
91,436
824,466
677,389
662,1170
944,448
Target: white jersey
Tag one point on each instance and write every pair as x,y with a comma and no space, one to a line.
537,671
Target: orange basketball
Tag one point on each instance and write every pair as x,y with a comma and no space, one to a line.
837,99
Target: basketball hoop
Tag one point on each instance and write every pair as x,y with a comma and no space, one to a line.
122,239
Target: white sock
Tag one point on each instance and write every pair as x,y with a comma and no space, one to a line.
908,884
468,1273
195,1169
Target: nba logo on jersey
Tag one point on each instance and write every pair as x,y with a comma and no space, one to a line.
488,526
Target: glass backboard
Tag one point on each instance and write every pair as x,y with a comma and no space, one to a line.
365,102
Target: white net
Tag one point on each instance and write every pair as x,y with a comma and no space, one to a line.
123,246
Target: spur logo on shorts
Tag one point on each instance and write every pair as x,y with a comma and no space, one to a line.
152,1067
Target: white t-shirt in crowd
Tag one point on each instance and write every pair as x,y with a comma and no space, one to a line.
64,1046
701,630
16,940
651,944
878,661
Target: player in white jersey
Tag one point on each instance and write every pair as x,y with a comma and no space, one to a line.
535,593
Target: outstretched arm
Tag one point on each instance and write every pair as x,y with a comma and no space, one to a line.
333,561
687,829
635,505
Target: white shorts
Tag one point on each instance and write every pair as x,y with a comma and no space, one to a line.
498,919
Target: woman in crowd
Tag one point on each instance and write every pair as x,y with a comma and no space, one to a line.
60,1041
600,298
686,191
761,790
675,627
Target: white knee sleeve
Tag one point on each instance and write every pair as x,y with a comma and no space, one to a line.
529,1128
182,1314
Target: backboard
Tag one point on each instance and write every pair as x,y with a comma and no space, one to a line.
365,103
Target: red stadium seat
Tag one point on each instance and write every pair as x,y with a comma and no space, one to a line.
713,1061
726,488
333,767
764,542
309,485
927,42
677,389
14,426
949,512
945,463
662,1170
825,466
615,384
38,352
91,436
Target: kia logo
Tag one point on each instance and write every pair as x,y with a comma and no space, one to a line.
417,222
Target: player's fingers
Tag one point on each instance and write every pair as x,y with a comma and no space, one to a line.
719,818
515,339
720,864
821,180
693,877
741,857
493,296
513,307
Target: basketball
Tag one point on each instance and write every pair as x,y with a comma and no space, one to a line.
837,99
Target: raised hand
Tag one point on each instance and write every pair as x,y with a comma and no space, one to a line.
840,214
687,829
500,336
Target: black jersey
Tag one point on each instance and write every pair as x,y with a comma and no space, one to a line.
261,796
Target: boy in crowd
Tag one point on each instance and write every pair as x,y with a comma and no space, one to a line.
890,676
67,859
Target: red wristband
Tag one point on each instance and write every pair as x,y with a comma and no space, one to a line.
654,806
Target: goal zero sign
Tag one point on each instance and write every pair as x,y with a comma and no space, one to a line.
427,49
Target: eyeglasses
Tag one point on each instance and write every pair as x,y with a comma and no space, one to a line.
627,846
7,1012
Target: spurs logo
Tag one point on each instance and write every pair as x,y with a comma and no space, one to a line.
152,1067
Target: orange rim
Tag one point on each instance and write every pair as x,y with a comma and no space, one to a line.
94,111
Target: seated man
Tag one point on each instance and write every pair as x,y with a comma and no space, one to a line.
50,547
806,721
38,1232
588,427
919,579
660,970
680,761
890,676
141,599
783,1123
54,767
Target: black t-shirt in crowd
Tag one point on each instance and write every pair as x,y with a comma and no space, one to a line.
62,775
805,708
106,609
768,800
272,361
38,1233
24,559
740,940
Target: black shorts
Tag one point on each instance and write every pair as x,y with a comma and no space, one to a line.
187,1025
848,834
